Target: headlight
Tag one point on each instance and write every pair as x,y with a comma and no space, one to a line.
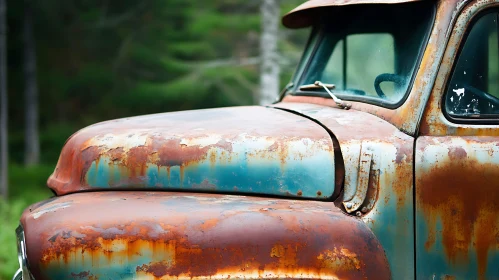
23,272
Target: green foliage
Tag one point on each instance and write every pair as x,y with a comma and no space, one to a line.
9,213
27,187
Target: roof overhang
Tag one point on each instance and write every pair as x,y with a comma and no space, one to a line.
303,15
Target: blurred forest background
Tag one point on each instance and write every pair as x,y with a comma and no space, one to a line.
76,62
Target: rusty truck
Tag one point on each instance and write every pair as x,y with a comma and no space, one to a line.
379,160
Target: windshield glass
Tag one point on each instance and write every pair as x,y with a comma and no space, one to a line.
369,52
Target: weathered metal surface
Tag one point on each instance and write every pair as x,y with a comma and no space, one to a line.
245,150
305,14
161,235
407,117
364,175
388,204
434,122
457,181
457,195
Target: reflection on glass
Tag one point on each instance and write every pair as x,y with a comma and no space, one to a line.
369,52
473,91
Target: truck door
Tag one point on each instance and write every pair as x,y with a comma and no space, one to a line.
457,156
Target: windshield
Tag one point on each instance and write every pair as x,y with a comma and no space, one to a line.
369,52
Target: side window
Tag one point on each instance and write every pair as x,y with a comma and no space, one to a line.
473,91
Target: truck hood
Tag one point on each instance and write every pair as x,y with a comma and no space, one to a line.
253,150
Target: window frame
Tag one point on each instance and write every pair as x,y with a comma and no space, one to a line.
320,29
488,118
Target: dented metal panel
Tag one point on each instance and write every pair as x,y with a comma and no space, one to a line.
457,195
387,206
245,149
305,14
160,235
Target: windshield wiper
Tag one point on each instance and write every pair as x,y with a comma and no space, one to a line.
318,84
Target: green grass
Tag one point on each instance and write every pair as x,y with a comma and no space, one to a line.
26,186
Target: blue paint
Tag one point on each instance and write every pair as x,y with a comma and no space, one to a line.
243,174
394,230
111,270
434,262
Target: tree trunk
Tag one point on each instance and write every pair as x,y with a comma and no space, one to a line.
3,101
32,144
269,71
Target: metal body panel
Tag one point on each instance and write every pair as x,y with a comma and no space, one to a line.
161,235
457,194
240,150
457,171
388,204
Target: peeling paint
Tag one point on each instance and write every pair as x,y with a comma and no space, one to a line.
387,206
247,149
165,235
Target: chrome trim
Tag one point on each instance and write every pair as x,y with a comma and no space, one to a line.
23,273
18,275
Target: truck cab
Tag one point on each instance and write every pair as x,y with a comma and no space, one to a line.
379,160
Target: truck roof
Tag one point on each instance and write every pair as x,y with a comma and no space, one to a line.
303,15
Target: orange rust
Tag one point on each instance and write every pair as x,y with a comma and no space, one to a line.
208,224
342,258
461,192
403,184
245,236
174,139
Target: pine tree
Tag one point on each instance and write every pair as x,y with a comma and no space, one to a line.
3,102
32,141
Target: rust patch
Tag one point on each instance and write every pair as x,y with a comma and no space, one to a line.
277,251
457,153
403,185
133,147
157,269
339,259
232,237
461,192
209,224
116,154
